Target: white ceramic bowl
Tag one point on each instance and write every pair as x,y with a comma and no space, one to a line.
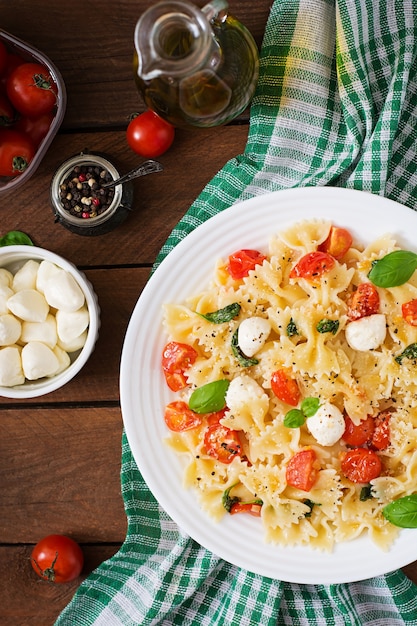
12,258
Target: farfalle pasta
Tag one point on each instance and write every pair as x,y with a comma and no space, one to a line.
332,360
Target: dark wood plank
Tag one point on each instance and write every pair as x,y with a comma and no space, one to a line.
160,199
91,43
26,600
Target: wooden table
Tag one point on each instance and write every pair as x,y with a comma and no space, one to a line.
60,454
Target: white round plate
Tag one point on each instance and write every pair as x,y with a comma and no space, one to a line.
144,393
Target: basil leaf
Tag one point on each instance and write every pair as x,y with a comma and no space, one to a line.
410,352
294,418
209,398
291,328
327,326
227,500
310,406
402,512
366,493
15,238
223,315
394,269
237,352
310,504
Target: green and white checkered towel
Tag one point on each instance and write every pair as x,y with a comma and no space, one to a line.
336,105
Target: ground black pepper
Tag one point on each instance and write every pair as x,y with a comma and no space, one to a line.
81,192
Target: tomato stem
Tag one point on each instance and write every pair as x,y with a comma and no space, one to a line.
49,572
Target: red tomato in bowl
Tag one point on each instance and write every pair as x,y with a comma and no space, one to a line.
57,558
7,112
16,152
149,135
3,58
32,90
38,128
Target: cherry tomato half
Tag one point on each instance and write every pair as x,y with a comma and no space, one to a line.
361,465
303,470
358,434
176,359
31,89
285,388
337,243
149,135
313,265
252,508
381,437
363,302
57,558
16,152
222,443
409,312
243,261
179,417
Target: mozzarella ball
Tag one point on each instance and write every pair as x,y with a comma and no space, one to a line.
10,329
75,344
366,333
252,334
38,360
45,271
11,372
25,277
5,294
29,305
243,390
63,359
62,291
327,425
71,325
6,277
40,331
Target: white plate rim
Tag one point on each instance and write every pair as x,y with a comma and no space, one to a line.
143,393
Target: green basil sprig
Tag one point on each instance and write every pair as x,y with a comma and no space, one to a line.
238,354
291,328
410,352
402,512
326,325
393,269
297,417
15,238
210,397
226,314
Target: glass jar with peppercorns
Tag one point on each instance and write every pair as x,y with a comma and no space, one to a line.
80,200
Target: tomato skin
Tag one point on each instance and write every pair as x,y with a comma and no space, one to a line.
3,58
358,435
12,61
302,470
337,243
149,135
7,112
179,417
285,388
16,152
409,312
361,465
246,507
31,89
363,302
243,261
222,443
313,265
381,437
176,359
57,558
37,129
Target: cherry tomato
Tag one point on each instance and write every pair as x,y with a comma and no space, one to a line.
3,58
31,89
409,312
57,558
302,470
243,261
361,465
16,152
313,265
38,128
252,508
12,61
337,243
363,302
149,135
176,359
179,417
285,388
7,112
222,443
358,434
381,437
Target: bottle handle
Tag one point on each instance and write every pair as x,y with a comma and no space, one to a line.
212,9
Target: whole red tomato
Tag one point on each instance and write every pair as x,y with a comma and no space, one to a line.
38,128
149,135
3,58
12,62
57,558
31,89
7,112
16,152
